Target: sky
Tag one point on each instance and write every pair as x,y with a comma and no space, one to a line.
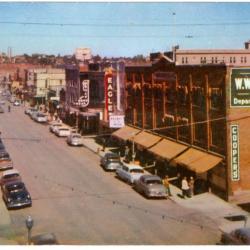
121,29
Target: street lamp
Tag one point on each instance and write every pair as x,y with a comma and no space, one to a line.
29,224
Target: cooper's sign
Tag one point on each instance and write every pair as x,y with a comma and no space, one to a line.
240,88
235,166
83,101
109,94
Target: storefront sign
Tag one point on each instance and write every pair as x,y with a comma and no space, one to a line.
235,166
116,121
83,101
109,94
240,87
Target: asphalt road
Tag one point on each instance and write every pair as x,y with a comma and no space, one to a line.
79,202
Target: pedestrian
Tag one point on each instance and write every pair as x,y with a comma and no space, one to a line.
166,184
191,186
184,187
9,108
103,144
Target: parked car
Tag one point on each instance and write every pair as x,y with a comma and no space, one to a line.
16,103
40,117
75,139
10,176
62,131
44,239
1,109
2,102
53,126
28,111
33,114
5,160
129,172
15,195
240,236
111,161
150,186
2,148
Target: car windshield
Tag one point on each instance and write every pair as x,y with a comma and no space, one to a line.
136,171
4,156
64,129
114,159
152,182
40,115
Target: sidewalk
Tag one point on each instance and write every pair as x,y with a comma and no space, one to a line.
207,203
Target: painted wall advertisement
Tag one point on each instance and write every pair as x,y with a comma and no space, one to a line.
235,163
240,87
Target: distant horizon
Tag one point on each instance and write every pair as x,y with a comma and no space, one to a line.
118,29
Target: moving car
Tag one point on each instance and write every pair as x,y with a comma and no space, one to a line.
10,176
75,139
16,103
40,117
129,172
240,236
15,195
62,131
5,160
111,161
150,186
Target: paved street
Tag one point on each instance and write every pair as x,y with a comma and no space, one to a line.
79,202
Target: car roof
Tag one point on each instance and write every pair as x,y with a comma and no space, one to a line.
11,171
133,166
151,177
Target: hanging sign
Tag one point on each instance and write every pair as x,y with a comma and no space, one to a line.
235,166
109,94
83,101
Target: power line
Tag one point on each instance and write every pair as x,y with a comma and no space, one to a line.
132,24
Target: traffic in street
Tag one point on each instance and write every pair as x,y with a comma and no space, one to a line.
79,202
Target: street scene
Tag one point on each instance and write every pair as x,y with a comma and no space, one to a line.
123,147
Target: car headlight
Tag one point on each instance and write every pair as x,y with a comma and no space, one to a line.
9,199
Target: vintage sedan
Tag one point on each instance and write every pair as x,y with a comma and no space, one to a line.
54,125
75,139
28,111
63,131
15,195
40,117
150,186
5,160
10,176
240,236
129,172
111,161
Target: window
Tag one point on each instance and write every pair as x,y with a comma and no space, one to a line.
212,60
216,60
231,59
245,59
234,60
182,60
241,59
186,60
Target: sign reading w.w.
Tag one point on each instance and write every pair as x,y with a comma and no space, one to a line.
240,87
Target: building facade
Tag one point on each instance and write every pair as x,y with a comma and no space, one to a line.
193,118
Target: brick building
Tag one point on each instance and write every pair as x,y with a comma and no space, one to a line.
192,118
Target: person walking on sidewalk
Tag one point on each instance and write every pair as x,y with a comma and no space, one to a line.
184,187
191,186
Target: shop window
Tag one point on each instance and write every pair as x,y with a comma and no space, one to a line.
168,120
170,95
216,98
184,126
198,96
182,95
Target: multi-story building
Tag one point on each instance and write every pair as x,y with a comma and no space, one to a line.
193,117
231,57
83,54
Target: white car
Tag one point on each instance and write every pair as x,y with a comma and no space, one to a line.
63,131
28,111
129,172
75,139
40,117
53,126
33,114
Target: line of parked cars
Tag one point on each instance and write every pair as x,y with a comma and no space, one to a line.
36,115
150,186
14,191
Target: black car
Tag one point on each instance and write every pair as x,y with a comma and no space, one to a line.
15,195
